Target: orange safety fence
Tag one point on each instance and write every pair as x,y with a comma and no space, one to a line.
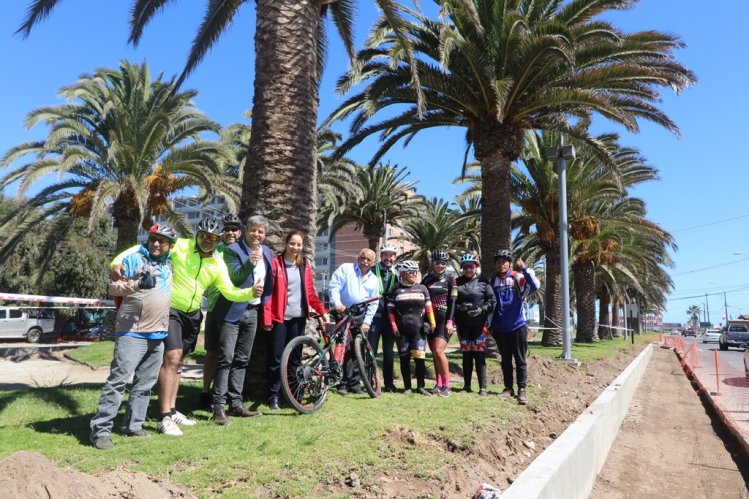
721,375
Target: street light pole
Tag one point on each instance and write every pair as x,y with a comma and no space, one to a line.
560,155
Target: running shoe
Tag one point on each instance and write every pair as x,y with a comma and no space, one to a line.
167,426
183,420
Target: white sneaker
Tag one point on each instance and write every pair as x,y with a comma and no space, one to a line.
167,426
180,418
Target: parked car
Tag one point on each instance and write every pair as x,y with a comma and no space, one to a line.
711,336
736,334
20,323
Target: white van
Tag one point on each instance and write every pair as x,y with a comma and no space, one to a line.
25,323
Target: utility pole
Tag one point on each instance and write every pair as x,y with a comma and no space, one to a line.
560,155
707,308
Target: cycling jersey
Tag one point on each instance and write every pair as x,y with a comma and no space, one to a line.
407,307
473,294
193,274
443,291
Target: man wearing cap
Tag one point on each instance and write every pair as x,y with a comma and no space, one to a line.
508,322
381,328
213,320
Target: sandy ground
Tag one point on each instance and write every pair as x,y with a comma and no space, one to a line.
667,446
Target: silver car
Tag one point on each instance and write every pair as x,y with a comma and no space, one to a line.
711,336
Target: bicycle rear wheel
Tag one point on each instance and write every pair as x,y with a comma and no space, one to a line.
367,365
304,367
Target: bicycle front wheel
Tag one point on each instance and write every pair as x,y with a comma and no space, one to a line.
304,368
367,365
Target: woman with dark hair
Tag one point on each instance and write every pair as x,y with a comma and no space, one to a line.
285,314
443,291
475,303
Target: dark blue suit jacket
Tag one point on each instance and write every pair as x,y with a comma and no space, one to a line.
236,256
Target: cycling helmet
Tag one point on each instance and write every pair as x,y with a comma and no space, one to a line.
406,266
388,247
440,256
231,219
165,230
211,225
503,253
469,258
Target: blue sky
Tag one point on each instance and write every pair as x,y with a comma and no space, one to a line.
700,199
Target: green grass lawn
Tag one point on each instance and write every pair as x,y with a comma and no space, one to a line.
590,352
280,453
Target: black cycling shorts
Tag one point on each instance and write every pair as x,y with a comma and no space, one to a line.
183,330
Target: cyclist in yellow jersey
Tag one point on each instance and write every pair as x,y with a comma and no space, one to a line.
196,267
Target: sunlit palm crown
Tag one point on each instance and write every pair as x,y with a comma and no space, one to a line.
122,140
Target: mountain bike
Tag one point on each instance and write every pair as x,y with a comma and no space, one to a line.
312,366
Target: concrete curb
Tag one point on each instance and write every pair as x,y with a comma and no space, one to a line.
569,466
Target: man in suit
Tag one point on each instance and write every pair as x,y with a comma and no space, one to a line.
249,262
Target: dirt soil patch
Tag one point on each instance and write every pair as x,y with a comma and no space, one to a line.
559,394
30,475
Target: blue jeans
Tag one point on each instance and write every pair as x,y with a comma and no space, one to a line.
235,347
381,328
131,356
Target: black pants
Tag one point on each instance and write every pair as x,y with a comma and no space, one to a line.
281,335
351,376
473,346
381,328
513,345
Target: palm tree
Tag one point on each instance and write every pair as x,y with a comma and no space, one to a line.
337,181
500,68
388,199
121,147
694,312
290,45
437,227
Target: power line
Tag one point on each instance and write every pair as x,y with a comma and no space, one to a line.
710,223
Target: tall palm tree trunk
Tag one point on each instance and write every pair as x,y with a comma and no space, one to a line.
616,317
585,292
496,147
280,178
552,335
604,316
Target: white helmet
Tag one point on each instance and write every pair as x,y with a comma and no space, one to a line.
406,266
388,247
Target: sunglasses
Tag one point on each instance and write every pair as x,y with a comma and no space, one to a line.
411,272
211,238
440,263
469,267
232,228
161,240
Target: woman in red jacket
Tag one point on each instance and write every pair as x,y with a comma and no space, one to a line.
285,314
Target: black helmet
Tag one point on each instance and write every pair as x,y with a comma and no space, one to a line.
440,256
212,226
503,253
165,230
231,219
